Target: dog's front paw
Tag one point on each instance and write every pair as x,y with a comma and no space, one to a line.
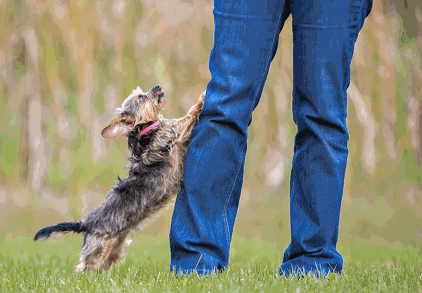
202,97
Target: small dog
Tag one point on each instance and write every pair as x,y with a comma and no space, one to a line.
158,149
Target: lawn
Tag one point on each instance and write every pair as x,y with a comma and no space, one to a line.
47,266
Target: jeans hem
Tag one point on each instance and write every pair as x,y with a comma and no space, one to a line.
199,272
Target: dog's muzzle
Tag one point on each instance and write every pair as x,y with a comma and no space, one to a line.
158,91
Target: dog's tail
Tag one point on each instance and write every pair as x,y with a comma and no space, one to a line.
75,227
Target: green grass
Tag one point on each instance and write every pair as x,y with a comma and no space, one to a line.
47,266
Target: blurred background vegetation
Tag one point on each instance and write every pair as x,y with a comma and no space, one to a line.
66,65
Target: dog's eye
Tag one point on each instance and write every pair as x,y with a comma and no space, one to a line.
141,98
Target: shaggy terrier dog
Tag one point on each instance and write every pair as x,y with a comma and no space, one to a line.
158,149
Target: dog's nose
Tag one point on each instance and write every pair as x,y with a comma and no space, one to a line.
156,88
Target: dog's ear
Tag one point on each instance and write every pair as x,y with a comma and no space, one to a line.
117,127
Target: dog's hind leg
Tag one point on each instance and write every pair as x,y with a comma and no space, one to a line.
94,248
116,252
99,252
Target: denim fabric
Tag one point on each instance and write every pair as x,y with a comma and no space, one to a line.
245,41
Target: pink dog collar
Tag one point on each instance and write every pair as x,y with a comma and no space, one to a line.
150,127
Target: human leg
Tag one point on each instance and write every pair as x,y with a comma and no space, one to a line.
246,37
324,34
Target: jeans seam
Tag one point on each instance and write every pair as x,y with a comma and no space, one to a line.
235,16
320,26
272,46
226,221
243,146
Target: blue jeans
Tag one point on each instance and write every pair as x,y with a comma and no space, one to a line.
245,42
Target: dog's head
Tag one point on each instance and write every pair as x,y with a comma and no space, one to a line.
138,108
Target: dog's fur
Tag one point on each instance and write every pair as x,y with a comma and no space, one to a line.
155,176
